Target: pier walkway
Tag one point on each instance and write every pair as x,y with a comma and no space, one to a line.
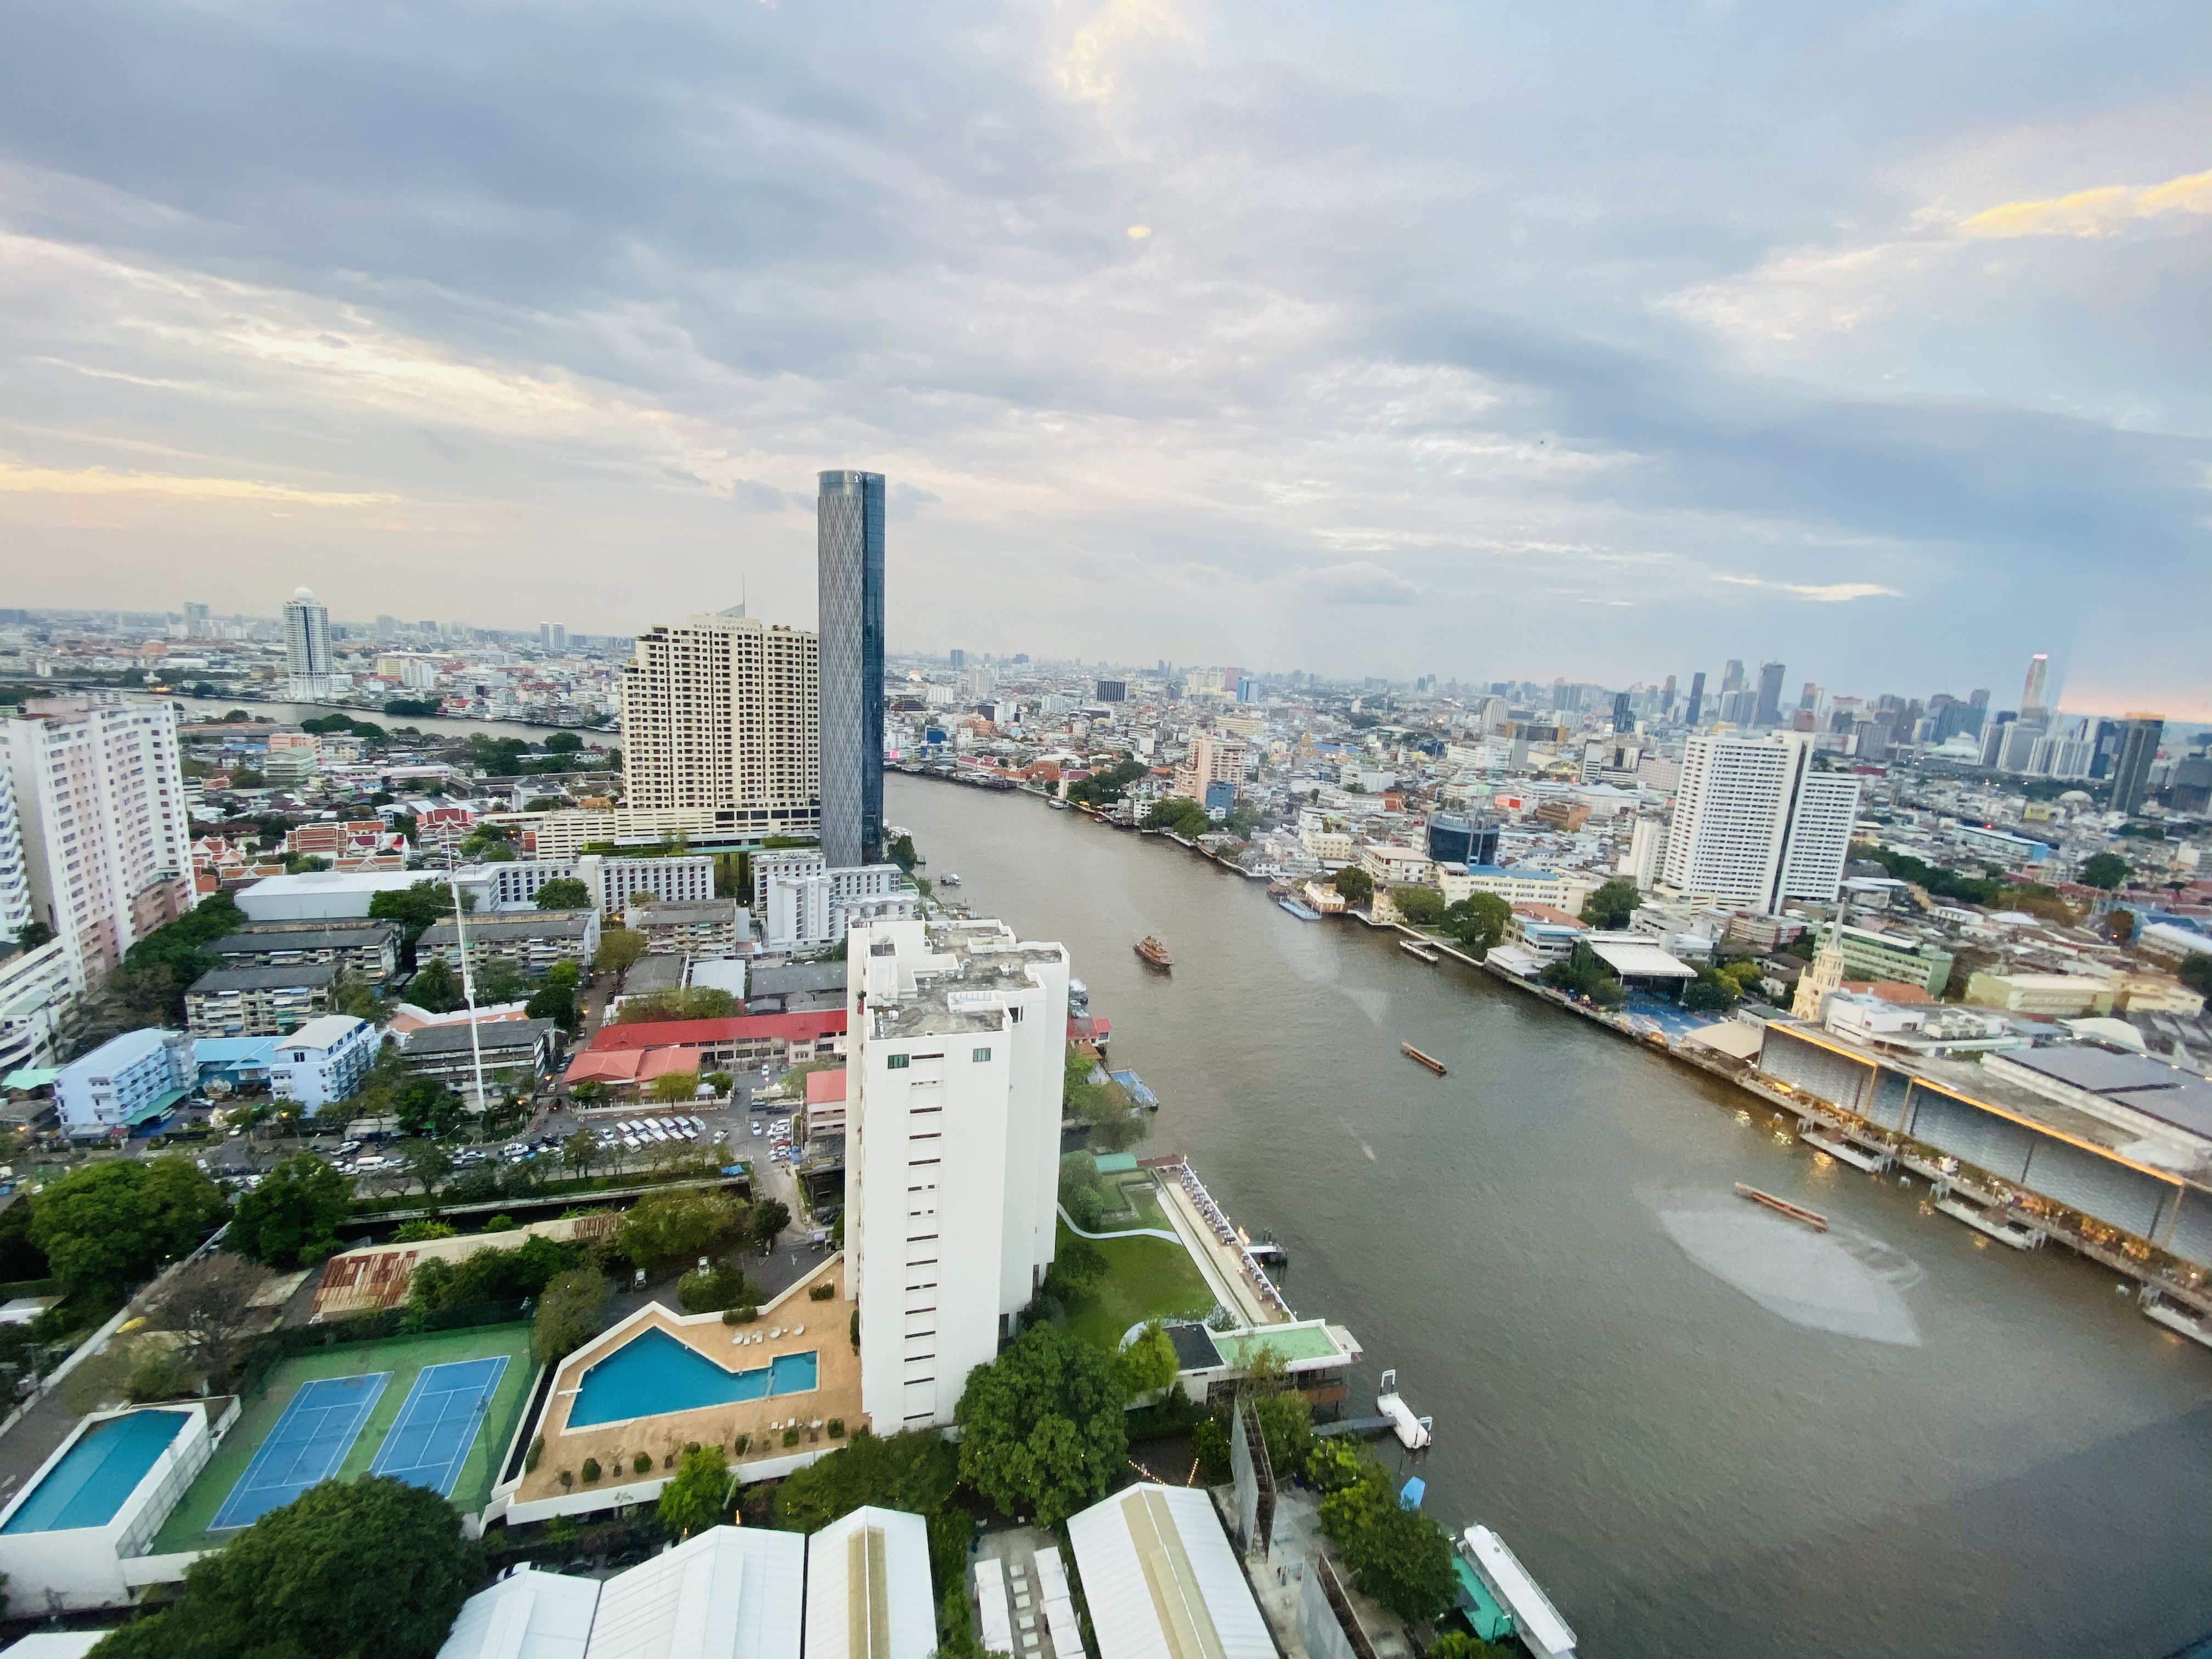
1226,1268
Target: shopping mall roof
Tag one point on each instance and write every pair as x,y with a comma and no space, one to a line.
867,1587
1640,959
1160,1578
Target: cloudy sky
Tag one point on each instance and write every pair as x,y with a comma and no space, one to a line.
1608,340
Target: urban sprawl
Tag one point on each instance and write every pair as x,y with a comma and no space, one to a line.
570,1172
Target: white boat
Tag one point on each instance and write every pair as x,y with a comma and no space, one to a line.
1414,1432
949,879
1547,1634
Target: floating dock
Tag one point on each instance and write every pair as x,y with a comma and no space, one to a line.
1812,1218
1415,948
1841,1150
1535,1618
2194,1326
1414,1432
2019,1236
1420,1059
1303,912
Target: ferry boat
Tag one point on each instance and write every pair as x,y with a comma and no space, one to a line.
1154,953
1420,1059
1812,1218
949,879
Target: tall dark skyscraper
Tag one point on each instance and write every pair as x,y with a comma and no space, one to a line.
1769,709
849,555
2139,736
1697,700
1622,720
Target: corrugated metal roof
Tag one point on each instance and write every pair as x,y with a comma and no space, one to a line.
868,1591
1162,1580
726,1593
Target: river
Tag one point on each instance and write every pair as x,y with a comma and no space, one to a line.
1708,1432
445,725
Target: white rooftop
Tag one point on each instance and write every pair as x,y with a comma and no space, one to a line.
1154,1558
868,1591
324,1031
527,1615
726,1593
57,1644
1638,958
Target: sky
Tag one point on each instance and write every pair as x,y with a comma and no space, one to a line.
1597,340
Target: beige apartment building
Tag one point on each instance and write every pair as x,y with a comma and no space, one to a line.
720,713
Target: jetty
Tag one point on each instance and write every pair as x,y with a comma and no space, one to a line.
1412,948
1859,1157
2014,1233
1812,1218
1414,1432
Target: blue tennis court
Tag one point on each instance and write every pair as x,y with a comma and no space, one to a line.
305,1447
439,1423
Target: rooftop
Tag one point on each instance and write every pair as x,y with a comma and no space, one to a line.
337,935
492,1034
532,924
325,1031
310,975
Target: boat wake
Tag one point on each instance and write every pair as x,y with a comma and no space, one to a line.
1842,1281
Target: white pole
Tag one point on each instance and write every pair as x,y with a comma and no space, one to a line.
468,977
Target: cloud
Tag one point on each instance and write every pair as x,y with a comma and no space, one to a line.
101,481
1086,69
1819,592
2102,212
1358,581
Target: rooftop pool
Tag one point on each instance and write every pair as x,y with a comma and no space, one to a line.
87,1487
654,1374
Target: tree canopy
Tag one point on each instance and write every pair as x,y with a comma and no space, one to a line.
693,1496
1584,972
1613,904
1109,785
564,893
2196,972
368,1569
1477,923
1149,1363
1042,1430
569,1315
1180,815
105,1226
156,970
291,1219
618,949
684,1002
1356,886
2105,870
913,1472
670,1226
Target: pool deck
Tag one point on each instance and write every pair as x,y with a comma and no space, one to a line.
800,1325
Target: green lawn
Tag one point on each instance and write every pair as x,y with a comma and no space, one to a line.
1141,1198
1146,1279
404,1356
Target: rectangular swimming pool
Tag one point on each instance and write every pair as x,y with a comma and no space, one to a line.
654,1374
87,1487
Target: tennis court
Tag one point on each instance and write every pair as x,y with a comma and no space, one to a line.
439,1423
305,1447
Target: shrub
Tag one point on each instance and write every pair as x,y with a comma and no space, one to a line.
715,1289
591,1470
743,1316
791,1436
822,1293
837,1428
642,1464
743,1444
567,1480
537,1451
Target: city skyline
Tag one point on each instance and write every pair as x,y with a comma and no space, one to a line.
1837,397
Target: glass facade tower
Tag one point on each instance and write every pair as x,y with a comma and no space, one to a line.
849,551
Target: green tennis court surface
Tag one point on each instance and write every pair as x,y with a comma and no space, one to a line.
404,1359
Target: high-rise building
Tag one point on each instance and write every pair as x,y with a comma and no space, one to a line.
956,1040
1666,698
1454,840
1732,677
1113,691
1622,720
955,659
1808,700
1697,700
724,711
849,569
2139,738
1767,712
1754,824
2038,673
310,669
99,797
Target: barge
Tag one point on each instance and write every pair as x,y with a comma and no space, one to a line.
1420,1059
1812,1218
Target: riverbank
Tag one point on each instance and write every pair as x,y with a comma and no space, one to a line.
1694,1420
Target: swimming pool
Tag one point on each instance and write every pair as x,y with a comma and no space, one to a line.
655,1374
87,1487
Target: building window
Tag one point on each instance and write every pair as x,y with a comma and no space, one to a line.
982,1056
897,1062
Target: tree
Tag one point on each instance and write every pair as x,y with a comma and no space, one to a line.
1149,1363
499,980
694,1494
2105,870
425,1106
1584,972
914,1472
555,1002
1042,1430
428,1164
2121,924
902,853
562,743
371,1569
291,1219
717,1288
2196,972
352,995
105,1226
435,988
1403,1559
770,1217
618,949
157,970
1477,923
568,1315
673,1088
672,1226
211,1303
1354,883
414,907
1612,905
19,1258
578,1153
564,893
1179,815
1424,907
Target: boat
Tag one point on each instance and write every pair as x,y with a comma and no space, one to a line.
1416,1055
1154,953
1057,806
1812,1218
1535,1620
1303,912
949,879
2198,1327
1415,948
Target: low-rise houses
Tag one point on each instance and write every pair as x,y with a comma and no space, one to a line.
531,940
513,1053
704,928
258,1001
367,950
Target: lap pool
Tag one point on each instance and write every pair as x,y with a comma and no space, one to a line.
105,1466
655,1374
